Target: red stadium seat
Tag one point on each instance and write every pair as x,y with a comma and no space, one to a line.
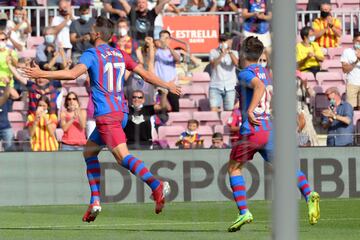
224,116
171,134
194,93
332,78
335,53
206,133
208,118
179,118
187,104
332,65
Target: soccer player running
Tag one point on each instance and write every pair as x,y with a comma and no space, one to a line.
255,91
106,67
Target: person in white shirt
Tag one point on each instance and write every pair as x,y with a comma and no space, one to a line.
19,29
223,78
62,23
350,61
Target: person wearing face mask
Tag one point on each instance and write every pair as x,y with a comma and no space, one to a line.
48,54
308,53
350,61
223,62
327,29
80,32
20,29
61,24
139,128
338,120
6,54
122,41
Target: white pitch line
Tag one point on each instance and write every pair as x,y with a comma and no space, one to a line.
157,224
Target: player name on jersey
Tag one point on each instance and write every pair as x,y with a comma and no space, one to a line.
111,53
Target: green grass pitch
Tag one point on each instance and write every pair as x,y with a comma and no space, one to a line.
190,220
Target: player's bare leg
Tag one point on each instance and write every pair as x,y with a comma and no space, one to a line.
159,188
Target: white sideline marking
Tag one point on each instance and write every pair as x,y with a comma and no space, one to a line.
158,224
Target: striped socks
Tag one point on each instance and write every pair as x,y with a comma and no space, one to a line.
93,173
303,185
237,184
137,167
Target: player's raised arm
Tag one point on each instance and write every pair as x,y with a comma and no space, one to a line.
71,74
155,80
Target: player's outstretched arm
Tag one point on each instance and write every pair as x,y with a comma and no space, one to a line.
71,74
155,80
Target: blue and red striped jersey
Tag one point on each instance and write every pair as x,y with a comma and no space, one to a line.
263,111
106,67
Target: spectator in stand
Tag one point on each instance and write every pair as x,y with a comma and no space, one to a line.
257,19
41,87
264,61
6,27
6,54
80,32
224,6
42,126
187,63
138,129
82,2
146,56
314,5
327,29
6,132
350,61
61,24
190,138
19,29
116,9
338,120
304,93
234,123
308,53
73,123
193,5
303,137
141,19
123,41
223,78
218,141
165,65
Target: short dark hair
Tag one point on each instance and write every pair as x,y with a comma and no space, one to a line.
304,32
165,32
19,8
252,48
224,37
191,121
84,7
356,34
105,27
123,19
217,135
